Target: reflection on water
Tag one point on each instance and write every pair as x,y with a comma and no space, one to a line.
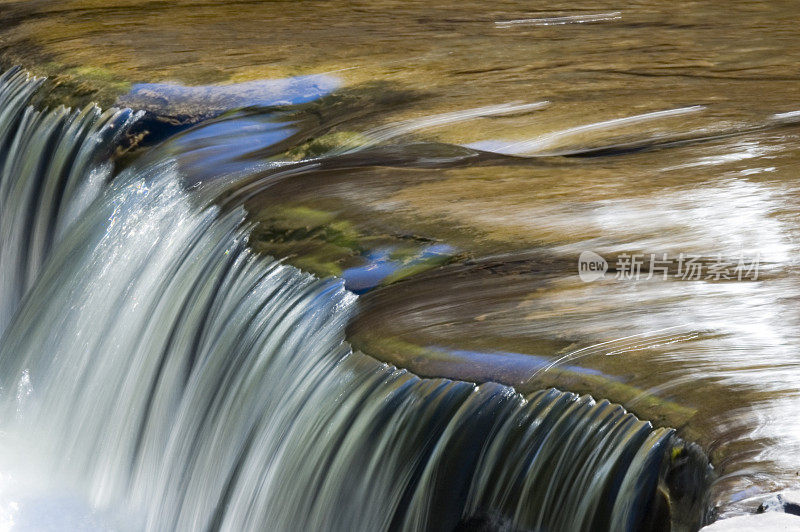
382,266
366,182
713,357
571,19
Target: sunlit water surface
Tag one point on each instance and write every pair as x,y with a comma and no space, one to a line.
697,107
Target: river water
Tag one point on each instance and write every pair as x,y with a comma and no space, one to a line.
452,163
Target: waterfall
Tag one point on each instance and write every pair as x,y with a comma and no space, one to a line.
163,370
52,165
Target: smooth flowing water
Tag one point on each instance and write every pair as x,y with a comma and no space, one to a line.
165,374
455,165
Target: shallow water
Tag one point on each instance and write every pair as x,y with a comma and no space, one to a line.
158,374
708,169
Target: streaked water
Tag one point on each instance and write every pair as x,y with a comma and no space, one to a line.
170,378
452,162
53,165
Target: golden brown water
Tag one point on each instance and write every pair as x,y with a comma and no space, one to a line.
716,359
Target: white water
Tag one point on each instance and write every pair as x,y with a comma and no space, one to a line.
160,376
52,165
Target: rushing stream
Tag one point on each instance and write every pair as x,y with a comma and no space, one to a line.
162,370
383,265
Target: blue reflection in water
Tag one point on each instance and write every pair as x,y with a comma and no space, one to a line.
380,265
235,145
510,360
217,98
240,141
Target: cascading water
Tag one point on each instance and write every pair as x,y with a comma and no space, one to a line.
52,165
161,368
